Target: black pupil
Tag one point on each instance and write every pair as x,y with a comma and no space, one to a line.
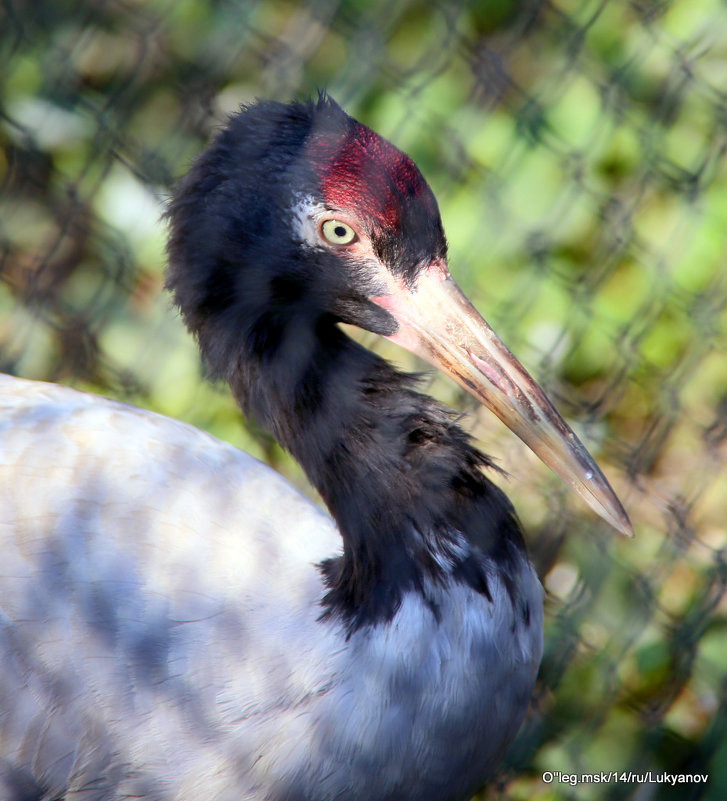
339,231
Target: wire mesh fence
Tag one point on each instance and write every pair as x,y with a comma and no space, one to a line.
576,150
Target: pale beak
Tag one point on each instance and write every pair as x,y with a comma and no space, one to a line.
438,323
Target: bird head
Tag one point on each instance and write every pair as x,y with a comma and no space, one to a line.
299,216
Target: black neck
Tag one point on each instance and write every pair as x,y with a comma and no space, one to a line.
398,475
400,478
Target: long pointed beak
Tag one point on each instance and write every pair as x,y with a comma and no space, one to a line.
438,323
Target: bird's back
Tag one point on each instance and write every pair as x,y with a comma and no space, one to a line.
162,635
146,570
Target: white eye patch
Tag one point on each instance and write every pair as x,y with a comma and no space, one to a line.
316,225
307,215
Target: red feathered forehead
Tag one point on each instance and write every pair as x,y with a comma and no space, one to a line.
368,175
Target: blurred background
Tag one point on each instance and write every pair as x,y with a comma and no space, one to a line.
576,149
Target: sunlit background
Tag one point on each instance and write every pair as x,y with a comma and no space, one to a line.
576,149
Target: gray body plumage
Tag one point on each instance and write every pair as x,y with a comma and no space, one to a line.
161,630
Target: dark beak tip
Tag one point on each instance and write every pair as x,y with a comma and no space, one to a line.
625,527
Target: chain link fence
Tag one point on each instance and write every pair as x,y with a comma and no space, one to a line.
576,149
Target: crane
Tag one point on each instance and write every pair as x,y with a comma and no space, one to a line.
176,621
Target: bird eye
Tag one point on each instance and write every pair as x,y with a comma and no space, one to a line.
337,232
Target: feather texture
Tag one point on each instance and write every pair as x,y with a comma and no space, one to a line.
162,633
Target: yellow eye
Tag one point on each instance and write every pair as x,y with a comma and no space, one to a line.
337,232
